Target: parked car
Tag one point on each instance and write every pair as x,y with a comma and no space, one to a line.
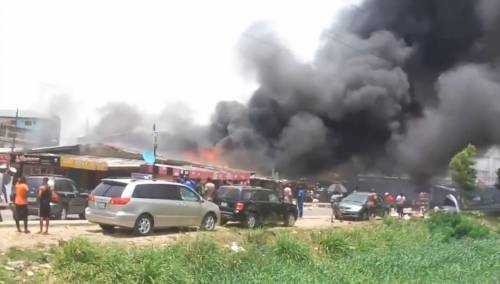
68,199
143,205
253,206
355,206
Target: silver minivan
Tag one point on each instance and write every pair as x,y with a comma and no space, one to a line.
146,204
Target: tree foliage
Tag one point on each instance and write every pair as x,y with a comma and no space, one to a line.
462,168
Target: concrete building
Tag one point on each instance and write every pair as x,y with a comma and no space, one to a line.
29,129
487,165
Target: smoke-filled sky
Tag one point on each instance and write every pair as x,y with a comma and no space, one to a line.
145,53
391,86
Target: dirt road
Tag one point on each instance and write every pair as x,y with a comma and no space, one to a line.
11,238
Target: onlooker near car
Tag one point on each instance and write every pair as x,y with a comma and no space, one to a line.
308,196
372,203
301,196
190,183
287,194
389,201
400,203
334,202
209,190
45,197
21,204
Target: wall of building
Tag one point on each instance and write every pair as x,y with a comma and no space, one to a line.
487,165
29,131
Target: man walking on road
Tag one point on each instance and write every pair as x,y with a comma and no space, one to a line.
21,204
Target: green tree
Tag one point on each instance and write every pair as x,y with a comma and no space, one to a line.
462,169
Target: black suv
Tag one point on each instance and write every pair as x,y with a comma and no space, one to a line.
253,206
67,200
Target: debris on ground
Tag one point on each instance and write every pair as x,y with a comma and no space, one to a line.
235,247
17,265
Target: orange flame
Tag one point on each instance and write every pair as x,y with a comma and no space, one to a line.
211,156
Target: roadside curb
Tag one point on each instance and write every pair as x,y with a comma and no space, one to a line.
8,224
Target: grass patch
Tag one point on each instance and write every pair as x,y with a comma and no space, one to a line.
442,249
446,227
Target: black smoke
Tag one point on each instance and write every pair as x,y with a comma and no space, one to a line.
398,86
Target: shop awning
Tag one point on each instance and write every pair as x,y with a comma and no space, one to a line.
93,163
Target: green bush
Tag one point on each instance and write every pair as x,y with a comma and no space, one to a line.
79,250
291,250
446,227
259,237
335,244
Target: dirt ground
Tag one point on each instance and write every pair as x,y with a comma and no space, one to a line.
9,237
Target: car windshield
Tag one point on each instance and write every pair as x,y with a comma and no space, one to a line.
228,193
109,189
34,183
356,198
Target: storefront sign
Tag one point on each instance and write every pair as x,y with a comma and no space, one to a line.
38,160
83,164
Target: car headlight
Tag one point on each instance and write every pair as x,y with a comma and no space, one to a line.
355,208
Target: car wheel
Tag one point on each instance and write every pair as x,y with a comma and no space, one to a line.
107,229
62,215
143,225
209,222
250,221
290,219
365,216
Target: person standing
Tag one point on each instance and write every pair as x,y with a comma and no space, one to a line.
301,196
21,204
335,202
287,194
210,189
389,201
190,183
44,196
6,179
400,204
372,204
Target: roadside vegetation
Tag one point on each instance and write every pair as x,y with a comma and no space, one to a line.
442,249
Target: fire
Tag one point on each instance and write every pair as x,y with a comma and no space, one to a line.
212,156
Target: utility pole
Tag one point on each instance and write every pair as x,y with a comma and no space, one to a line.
15,131
155,139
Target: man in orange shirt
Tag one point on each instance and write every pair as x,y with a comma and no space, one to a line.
21,202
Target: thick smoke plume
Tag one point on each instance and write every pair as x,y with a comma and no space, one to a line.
397,87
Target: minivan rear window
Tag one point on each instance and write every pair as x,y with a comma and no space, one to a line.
108,189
